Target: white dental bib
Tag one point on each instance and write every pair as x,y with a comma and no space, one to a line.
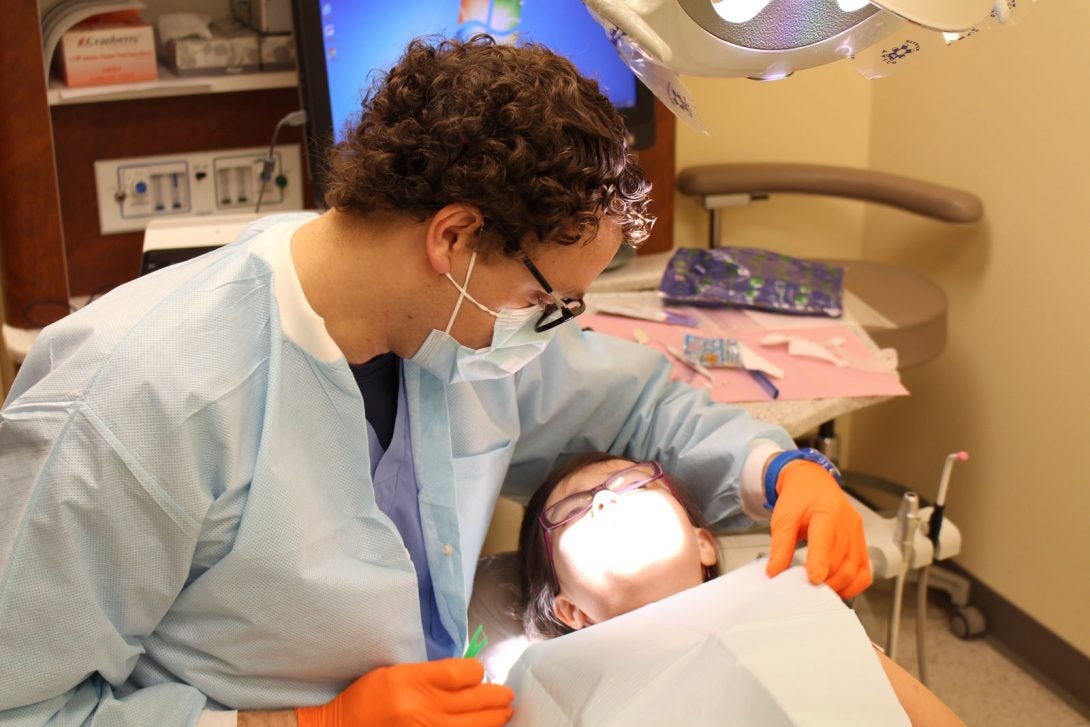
742,649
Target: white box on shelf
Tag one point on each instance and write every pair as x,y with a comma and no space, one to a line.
107,49
233,48
264,16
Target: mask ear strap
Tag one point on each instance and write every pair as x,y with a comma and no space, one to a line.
464,295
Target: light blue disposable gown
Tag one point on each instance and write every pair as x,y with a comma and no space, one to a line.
187,518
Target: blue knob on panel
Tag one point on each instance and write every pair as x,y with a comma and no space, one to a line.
141,187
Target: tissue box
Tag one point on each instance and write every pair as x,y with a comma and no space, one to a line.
233,48
264,16
277,52
109,48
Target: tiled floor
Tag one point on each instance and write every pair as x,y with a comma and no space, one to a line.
984,687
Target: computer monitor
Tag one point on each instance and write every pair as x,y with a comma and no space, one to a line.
342,43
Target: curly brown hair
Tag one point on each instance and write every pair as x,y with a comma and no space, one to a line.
515,131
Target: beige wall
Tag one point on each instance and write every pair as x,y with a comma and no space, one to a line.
820,117
1005,115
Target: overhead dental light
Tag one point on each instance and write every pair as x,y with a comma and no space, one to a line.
771,39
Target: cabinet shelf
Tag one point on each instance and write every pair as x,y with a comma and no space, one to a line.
169,84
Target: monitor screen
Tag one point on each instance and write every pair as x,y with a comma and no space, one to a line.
342,43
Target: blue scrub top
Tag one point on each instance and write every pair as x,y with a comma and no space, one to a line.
396,488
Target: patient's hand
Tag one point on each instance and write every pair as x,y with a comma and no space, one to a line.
811,506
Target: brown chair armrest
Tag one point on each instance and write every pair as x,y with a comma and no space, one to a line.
924,198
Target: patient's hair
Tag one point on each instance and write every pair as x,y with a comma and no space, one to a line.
514,131
537,585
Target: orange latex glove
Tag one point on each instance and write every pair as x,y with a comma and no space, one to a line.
444,692
810,506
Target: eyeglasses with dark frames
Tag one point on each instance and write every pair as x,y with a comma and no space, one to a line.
561,309
578,504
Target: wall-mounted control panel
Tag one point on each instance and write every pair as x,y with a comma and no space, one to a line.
133,191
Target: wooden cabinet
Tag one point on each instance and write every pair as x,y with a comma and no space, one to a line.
32,258
50,246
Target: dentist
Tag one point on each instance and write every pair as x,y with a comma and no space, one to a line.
253,487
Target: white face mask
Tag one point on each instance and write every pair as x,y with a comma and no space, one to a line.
515,343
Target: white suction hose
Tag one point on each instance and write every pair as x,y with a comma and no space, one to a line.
921,622
908,520
933,528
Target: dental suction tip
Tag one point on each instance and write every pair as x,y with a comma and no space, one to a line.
963,456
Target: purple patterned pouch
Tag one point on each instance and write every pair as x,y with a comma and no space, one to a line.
754,278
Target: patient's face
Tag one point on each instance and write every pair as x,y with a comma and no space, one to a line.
627,551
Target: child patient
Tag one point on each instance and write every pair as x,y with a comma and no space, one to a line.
603,536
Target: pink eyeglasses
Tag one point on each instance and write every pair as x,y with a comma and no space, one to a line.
578,504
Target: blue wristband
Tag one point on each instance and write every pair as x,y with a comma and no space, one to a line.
781,460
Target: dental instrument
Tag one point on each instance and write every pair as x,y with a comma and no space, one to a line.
698,368
642,336
665,316
478,642
766,383
935,524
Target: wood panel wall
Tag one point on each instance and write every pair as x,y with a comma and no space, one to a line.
32,261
